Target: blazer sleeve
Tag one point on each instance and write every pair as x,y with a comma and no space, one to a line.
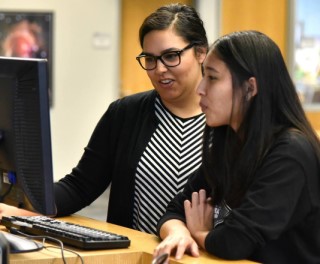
93,172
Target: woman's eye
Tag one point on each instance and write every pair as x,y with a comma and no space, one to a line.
211,78
149,59
170,56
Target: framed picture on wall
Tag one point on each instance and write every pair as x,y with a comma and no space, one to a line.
28,35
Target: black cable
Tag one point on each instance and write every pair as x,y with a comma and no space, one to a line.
46,247
72,251
6,193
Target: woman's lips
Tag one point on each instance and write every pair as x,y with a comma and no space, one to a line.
166,83
203,107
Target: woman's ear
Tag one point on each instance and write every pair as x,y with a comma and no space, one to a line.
252,88
201,53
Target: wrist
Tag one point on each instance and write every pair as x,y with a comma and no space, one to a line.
200,238
173,226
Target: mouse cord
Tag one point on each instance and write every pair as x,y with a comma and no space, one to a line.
61,247
2,196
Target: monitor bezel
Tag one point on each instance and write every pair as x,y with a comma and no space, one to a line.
27,173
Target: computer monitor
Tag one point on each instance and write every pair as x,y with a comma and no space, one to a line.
26,173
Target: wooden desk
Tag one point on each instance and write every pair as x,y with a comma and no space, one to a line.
139,252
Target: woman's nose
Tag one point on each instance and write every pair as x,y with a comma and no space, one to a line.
161,67
201,88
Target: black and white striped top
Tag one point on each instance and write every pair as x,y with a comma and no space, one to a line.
172,154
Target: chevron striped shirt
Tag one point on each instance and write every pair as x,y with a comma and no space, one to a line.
172,154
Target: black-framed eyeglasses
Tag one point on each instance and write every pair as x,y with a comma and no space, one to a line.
169,59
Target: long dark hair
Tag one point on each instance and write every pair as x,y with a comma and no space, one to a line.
183,18
231,158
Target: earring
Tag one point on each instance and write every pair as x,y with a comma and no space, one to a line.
248,94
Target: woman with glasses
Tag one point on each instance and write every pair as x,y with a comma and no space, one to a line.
257,195
146,145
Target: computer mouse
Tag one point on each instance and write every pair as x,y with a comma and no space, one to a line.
19,244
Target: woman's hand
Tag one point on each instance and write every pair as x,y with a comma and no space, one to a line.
8,210
199,216
177,239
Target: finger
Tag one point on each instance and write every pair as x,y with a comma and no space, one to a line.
156,252
166,246
195,198
202,196
187,206
160,257
194,250
181,248
161,250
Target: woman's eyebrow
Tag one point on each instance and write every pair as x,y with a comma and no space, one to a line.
162,52
209,68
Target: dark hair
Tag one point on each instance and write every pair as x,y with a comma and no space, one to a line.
184,20
231,162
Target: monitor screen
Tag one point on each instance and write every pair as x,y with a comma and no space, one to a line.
26,174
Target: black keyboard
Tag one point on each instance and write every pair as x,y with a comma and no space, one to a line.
78,236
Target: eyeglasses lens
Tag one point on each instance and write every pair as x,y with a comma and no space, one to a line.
170,59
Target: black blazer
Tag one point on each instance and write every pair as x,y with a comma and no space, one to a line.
111,156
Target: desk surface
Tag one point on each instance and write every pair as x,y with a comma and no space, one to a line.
139,252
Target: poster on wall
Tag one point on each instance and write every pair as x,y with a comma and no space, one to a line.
28,35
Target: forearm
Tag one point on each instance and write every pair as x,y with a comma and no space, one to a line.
8,210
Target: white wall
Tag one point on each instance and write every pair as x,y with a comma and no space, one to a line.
210,11
85,76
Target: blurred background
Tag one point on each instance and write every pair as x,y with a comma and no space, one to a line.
91,48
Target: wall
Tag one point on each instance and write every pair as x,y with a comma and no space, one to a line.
268,16
85,76
210,13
